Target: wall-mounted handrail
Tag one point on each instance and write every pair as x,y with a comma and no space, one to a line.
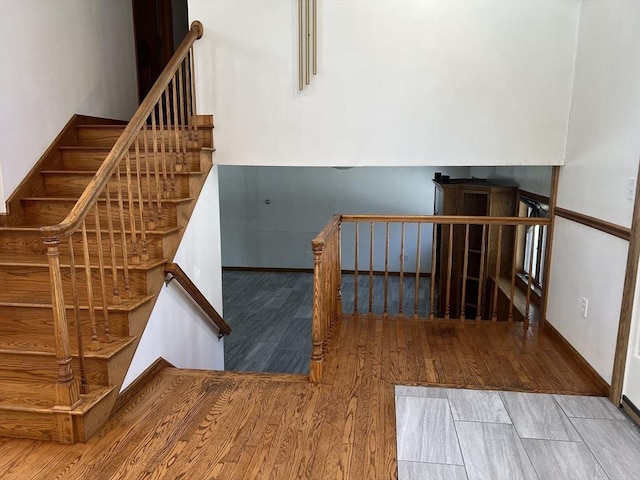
183,279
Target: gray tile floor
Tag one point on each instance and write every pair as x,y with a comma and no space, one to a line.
472,434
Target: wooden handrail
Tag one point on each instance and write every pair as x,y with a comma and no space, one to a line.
327,231
445,219
96,186
183,279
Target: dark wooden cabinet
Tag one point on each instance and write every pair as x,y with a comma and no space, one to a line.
470,197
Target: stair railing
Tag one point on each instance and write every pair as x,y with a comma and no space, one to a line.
327,308
174,272
127,194
435,268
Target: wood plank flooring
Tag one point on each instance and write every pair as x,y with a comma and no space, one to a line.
229,425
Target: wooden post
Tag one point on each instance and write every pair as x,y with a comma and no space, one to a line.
315,368
67,387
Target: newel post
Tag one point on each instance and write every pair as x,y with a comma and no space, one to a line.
317,356
67,387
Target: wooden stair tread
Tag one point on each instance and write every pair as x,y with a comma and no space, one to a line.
101,200
37,260
44,344
91,174
36,229
98,148
125,305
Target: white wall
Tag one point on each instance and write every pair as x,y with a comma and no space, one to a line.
177,329
531,179
603,149
631,386
60,58
482,82
302,200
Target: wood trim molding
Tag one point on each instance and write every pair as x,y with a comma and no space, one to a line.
537,197
551,332
406,273
626,309
139,383
268,269
630,409
553,206
602,225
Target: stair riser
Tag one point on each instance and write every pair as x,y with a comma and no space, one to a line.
47,212
40,320
38,426
107,137
26,366
70,184
18,243
34,283
91,160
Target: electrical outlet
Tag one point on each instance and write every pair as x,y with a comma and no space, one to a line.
584,306
406,257
308,252
631,189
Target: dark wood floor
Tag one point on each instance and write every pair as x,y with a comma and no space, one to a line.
227,425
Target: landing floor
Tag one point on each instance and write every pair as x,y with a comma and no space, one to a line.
226,425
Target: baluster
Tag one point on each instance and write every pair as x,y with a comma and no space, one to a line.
401,292
177,166
189,102
463,300
481,274
112,249
151,217
494,314
132,223
170,152
84,386
386,270
338,269
434,272
513,272
166,188
95,345
181,119
527,315
194,97
143,232
449,268
417,287
355,271
159,219
105,304
67,388
135,258
370,268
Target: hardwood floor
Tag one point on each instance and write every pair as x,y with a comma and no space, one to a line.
229,425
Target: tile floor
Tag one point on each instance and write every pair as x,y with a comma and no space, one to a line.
462,434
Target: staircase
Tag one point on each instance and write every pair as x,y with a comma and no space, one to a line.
27,346
82,298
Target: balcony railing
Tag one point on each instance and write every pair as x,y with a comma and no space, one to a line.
433,268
